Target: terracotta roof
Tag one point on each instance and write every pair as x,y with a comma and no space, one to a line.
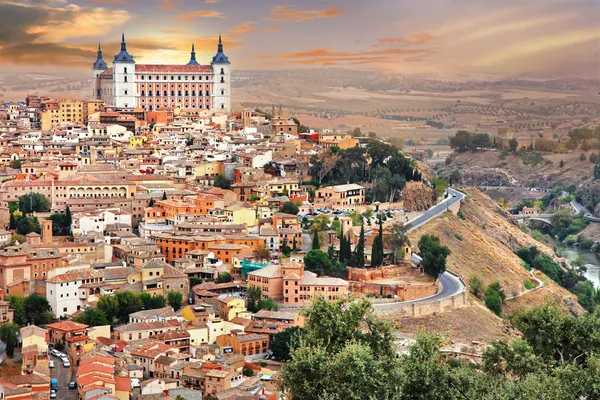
78,275
122,383
142,326
67,326
159,68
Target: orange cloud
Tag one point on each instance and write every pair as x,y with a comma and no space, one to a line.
173,32
244,28
289,13
189,18
212,1
417,38
326,52
110,2
167,4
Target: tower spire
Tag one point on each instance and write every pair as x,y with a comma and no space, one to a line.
99,63
193,57
123,44
220,49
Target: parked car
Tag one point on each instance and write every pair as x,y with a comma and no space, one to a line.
55,353
72,385
53,394
135,383
51,364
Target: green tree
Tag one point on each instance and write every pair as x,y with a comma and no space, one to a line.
359,251
513,144
16,164
377,248
92,317
433,255
268,304
175,299
9,335
33,202
289,208
68,220
317,261
397,239
18,304
12,223
109,305
253,295
151,302
37,310
320,224
315,242
224,278
222,182
26,225
128,303
247,371
561,164
285,341
494,297
164,196
151,203
476,286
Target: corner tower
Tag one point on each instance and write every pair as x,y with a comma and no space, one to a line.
124,78
222,79
193,57
98,67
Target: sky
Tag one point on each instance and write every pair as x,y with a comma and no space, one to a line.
445,39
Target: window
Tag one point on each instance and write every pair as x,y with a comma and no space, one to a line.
179,77
65,309
125,79
222,71
125,94
149,77
125,70
172,93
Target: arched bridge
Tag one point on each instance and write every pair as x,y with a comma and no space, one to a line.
547,218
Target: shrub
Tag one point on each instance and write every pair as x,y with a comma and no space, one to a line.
494,297
461,215
248,372
475,286
528,284
459,237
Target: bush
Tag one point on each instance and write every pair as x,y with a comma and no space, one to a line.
494,297
248,372
459,237
528,284
461,215
475,286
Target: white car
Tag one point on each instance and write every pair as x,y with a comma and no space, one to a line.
51,364
53,394
66,363
55,353
135,383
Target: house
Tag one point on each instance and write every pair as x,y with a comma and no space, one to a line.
341,195
230,307
216,381
66,294
72,335
145,356
272,322
155,315
144,330
246,344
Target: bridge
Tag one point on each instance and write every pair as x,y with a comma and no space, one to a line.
547,218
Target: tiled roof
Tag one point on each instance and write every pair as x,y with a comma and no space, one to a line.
270,271
159,68
142,326
67,326
162,312
78,275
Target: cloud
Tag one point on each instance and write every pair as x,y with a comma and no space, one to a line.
212,1
290,13
173,31
417,38
42,53
243,28
167,4
110,2
189,18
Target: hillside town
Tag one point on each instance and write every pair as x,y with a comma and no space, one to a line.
159,253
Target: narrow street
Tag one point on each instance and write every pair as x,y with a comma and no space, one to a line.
63,375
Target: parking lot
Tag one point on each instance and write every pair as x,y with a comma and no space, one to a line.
64,376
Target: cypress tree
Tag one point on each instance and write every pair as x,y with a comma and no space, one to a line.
68,219
331,252
164,195
348,250
151,203
12,223
294,244
315,243
360,249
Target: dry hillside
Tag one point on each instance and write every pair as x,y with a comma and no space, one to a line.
483,244
486,168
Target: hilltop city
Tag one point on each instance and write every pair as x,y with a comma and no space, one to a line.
159,243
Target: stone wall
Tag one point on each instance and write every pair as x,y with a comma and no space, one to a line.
388,272
400,291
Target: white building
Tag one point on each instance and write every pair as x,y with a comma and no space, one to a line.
66,294
97,221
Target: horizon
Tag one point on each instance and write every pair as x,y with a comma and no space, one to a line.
473,40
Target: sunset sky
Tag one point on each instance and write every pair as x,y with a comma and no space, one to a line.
458,39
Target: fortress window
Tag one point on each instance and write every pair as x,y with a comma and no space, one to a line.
222,80
179,93
157,77
222,71
142,77
186,78
193,77
125,94
165,77
172,77
149,92
125,79
143,94
166,93
125,70
172,93
179,77
149,77
193,92
222,92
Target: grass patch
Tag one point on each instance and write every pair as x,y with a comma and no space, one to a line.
528,284
461,215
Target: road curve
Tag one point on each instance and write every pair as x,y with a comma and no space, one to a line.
449,283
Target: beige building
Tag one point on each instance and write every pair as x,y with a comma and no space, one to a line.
293,285
341,195
57,112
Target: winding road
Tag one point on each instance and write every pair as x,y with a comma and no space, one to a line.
449,283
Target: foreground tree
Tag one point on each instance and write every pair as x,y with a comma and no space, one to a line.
152,302
175,299
34,202
397,239
289,208
37,310
284,342
128,303
253,295
92,317
9,335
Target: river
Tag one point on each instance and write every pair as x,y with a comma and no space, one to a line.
592,261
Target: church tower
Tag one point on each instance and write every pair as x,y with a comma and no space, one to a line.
99,67
124,78
193,57
222,78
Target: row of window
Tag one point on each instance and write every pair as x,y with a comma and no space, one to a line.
165,77
179,93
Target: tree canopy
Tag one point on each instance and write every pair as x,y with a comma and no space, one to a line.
33,202
433,254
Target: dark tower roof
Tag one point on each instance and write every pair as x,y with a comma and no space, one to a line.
220,57
193,57
123,55
99,63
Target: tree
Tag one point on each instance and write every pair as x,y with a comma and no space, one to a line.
151,302
9,335
285,341
433,255
320,223
175,299
247,371
26,225
315,242
128,303
16,164
317,261
37,310
164,196
151,203
92,317
397,239
268,304
358,258
582,157
561,164
18,304
322,166
224,278
68,219
261,253
289,208
109,305
253,295
17,238
33,202
454,177
377,248
476,286
222,182
12,223
513,144
494,297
